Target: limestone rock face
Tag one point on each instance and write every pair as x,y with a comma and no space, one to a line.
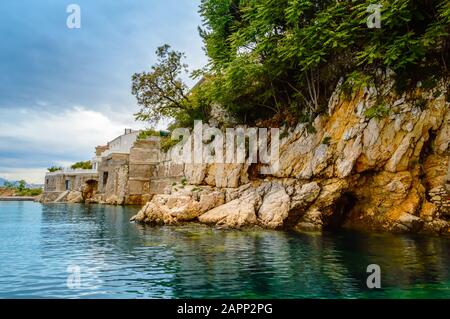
275,207
311,221
266,204
304,195
195,173
217,175
235,214
112,200
179,206
380,173
154,213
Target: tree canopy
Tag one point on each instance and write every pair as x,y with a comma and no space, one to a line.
272,57
161,93
276,54
54,169
82,165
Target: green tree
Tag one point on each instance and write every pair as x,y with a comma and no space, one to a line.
8,184
82,165
275,56
54,169
161,93
22,186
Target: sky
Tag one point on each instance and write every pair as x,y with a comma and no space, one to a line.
64,91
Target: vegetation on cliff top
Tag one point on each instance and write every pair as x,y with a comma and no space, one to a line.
54,169
82,165
166,142
77,165
285,57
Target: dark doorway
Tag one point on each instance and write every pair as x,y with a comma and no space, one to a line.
105,178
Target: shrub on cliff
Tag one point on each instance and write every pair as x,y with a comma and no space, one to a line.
54,169
82,165
285,57
272,55
166,141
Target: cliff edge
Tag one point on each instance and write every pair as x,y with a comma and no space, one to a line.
363,166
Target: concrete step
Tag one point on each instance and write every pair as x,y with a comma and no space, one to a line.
62,197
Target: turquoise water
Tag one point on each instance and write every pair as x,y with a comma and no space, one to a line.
43,248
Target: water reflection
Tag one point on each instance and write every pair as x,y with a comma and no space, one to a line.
212,263
119,259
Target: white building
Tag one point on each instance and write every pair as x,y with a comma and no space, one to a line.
119,145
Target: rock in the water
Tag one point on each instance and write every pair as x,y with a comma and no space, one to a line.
311,221
173,208
412,223
235,214
275,208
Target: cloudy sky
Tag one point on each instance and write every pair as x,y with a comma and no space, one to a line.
64,91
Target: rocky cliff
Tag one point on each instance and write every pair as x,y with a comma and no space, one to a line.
364,166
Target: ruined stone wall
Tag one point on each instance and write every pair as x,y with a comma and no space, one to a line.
143,156
439,196
126,178
439,187
113,176
165,174
57,182
54,183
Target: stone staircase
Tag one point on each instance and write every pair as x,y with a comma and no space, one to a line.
62,197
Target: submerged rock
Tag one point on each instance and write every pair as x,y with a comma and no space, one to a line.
235,214
179,207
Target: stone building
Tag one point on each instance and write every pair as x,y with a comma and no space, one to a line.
73,185
107,181
124,173
126,170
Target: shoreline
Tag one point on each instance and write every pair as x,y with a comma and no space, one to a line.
17,199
